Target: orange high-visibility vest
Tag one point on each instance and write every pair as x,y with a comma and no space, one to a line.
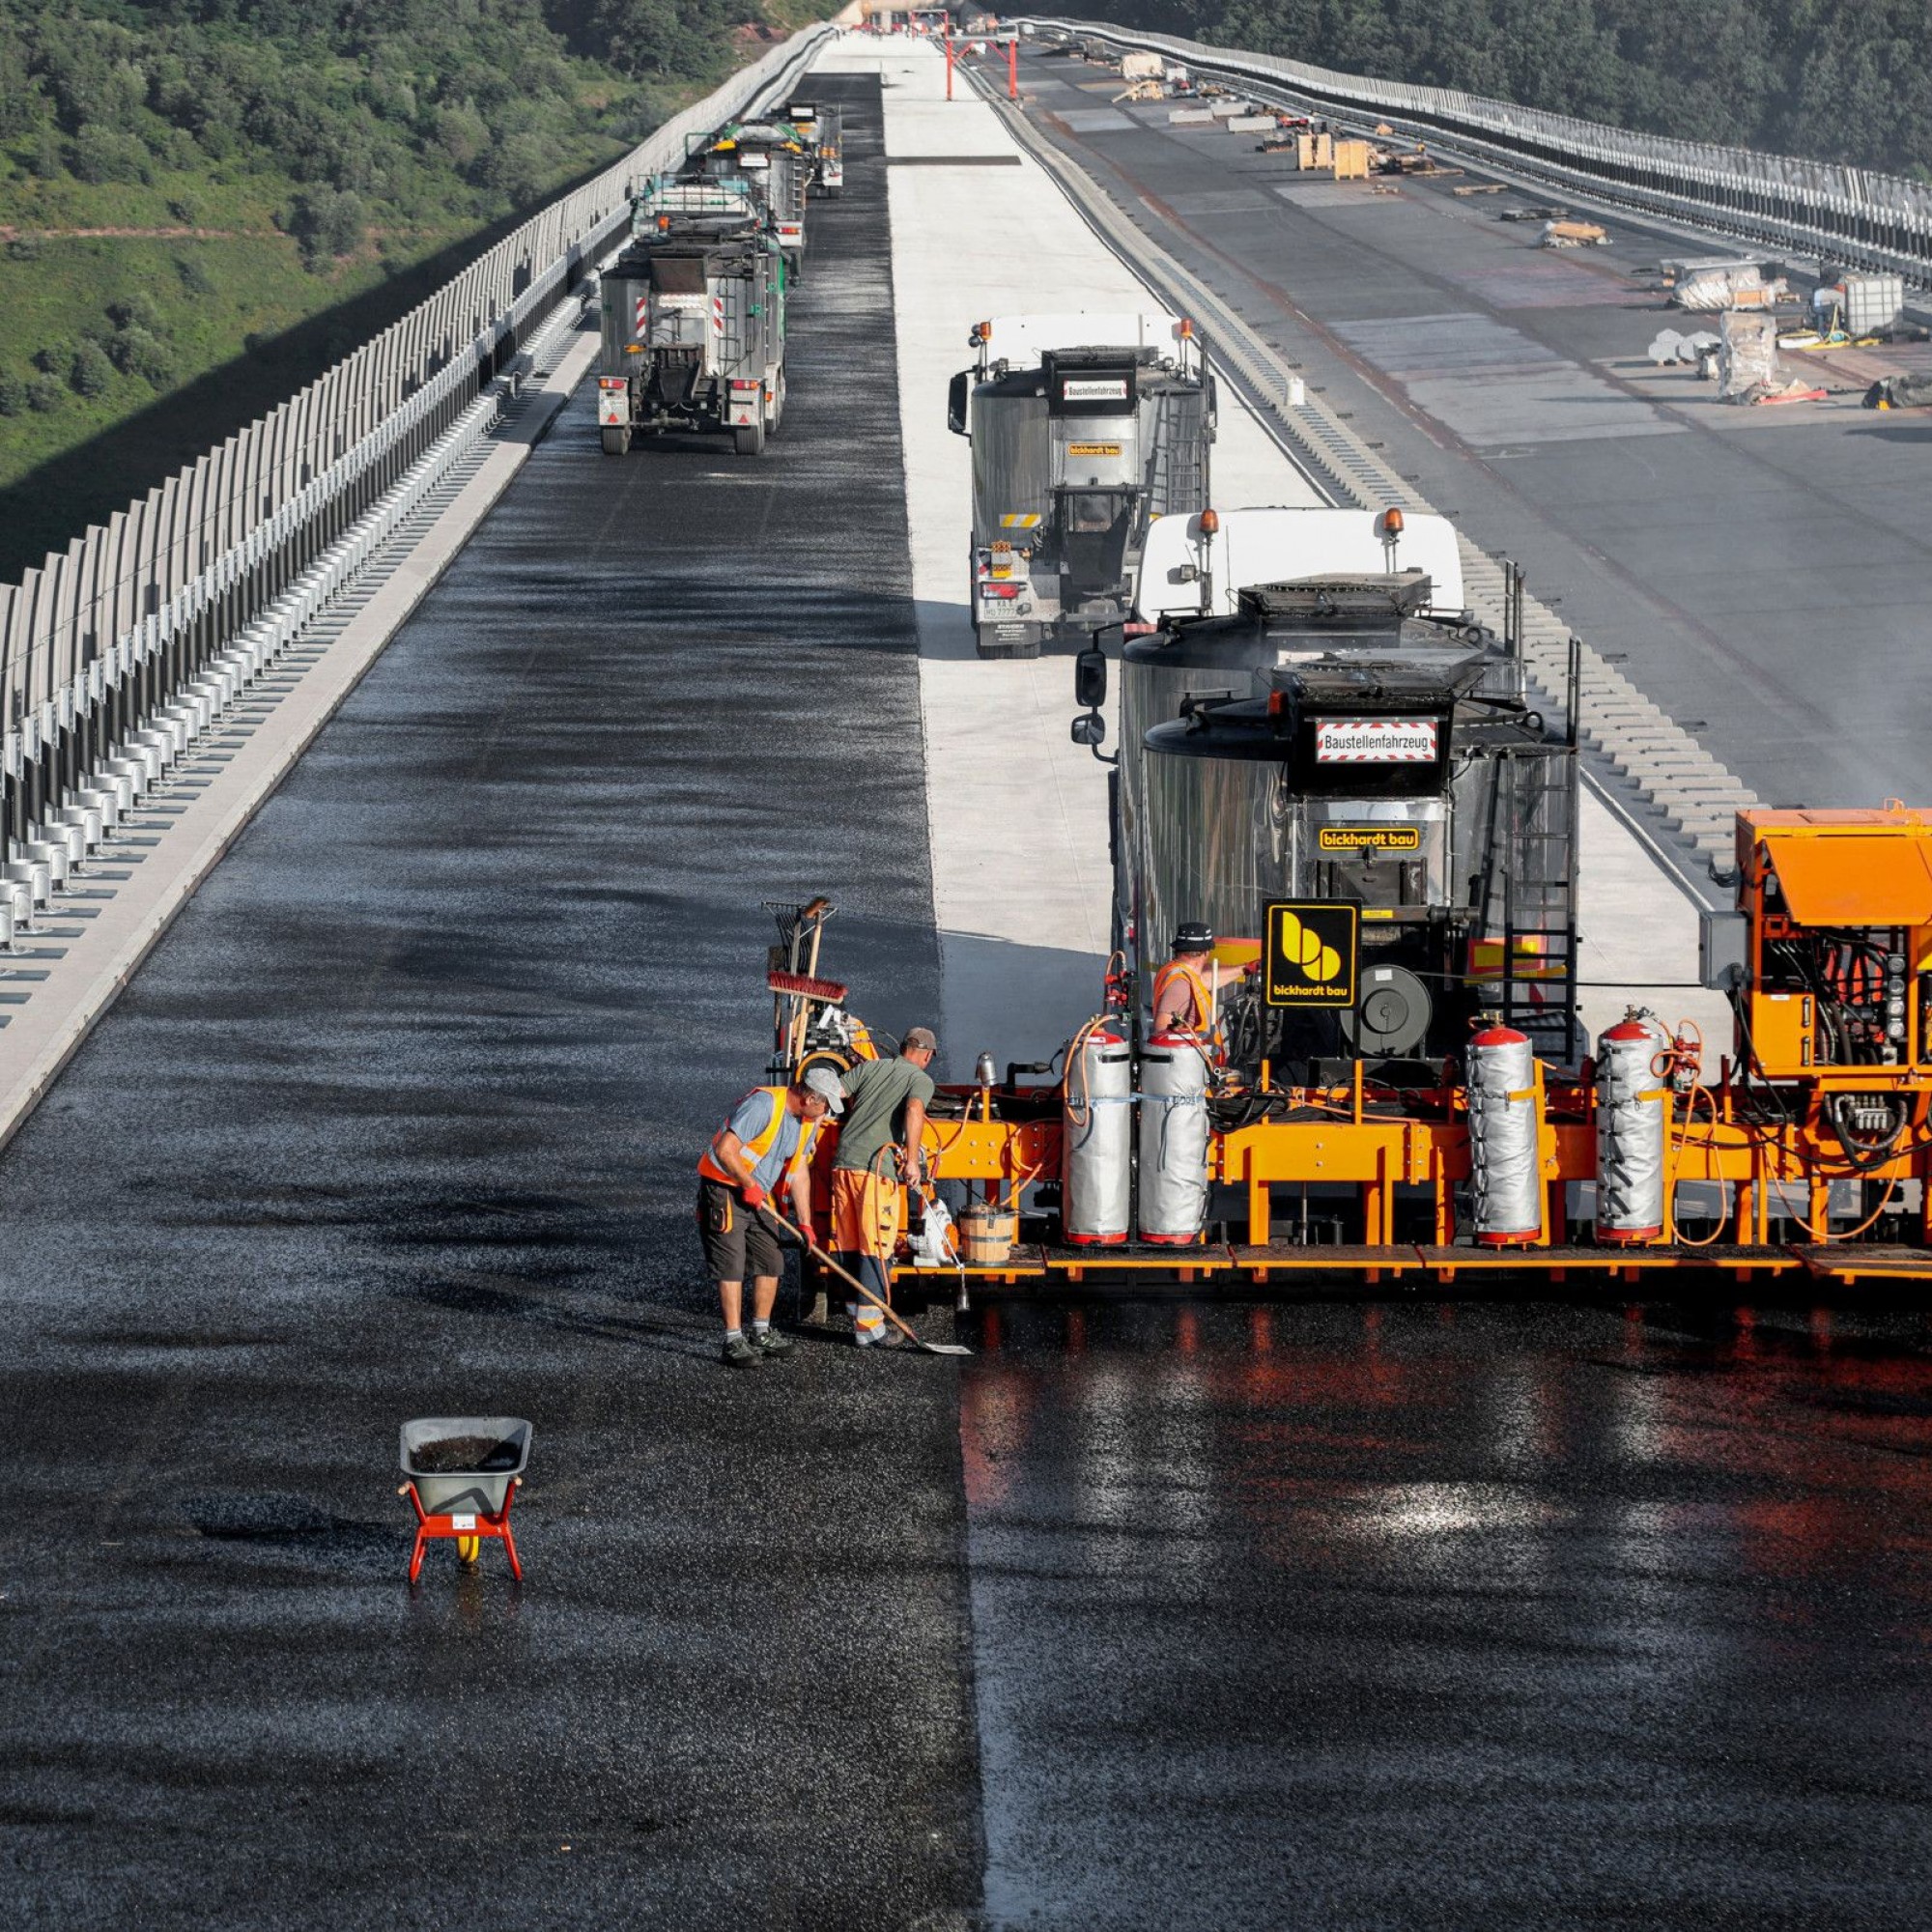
761,1143
1197,984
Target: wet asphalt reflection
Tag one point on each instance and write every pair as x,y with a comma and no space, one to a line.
1460,1616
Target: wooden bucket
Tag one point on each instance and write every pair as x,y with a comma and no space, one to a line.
987,1233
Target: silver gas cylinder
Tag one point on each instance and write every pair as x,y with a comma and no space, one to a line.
1173,1138
1632,1127
1505,1162
1097,1170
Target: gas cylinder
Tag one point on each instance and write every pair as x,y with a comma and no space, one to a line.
1173,1138
1097,1169
1633,1123
1506,1167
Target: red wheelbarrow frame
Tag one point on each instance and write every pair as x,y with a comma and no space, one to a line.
480,1523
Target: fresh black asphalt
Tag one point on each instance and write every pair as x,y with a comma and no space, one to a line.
400,1120
1210,1617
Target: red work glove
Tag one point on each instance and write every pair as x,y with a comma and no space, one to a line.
808,1232
756,1196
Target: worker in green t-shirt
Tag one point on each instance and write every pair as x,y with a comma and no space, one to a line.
885,1108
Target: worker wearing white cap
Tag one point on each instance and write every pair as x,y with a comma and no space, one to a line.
765,1146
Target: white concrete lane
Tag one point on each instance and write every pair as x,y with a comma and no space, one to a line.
1021,875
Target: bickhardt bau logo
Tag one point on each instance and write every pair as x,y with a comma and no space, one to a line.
1311,953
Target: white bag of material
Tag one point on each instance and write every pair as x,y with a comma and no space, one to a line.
1708,290
1747,354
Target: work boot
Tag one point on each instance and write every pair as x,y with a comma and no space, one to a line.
739,1354
771,1345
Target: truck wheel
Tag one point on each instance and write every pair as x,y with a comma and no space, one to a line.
750,441
616,442
1006,641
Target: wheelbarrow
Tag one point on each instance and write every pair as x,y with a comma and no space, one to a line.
463,1473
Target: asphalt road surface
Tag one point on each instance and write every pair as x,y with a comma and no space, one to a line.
400,1120
1155,1615
1760,573
1434,1616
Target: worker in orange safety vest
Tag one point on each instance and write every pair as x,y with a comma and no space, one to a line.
1185,988
766,1145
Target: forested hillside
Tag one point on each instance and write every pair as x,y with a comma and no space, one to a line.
240,191
1844,80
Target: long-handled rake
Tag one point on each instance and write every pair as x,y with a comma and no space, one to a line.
852,1281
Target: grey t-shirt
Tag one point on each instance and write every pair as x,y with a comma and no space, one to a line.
876,1092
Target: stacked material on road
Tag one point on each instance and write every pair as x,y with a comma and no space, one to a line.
1566,233
1908,391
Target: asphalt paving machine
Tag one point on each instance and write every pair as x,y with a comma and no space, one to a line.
694,318
1084,428
781,163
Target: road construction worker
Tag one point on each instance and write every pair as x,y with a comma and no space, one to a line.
885,1102
1185,988
765,1145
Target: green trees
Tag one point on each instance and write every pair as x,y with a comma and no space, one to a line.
1841,80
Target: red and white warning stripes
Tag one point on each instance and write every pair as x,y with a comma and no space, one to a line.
1375,741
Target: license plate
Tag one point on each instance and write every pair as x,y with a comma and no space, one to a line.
463,1522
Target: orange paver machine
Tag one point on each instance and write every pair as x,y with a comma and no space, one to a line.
1393,1082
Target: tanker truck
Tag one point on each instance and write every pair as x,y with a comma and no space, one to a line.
781,163
1084,428
694,320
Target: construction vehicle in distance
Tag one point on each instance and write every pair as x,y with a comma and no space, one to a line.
694,318
1085,428
824,132
774,155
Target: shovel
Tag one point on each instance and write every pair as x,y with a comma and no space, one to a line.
852,1281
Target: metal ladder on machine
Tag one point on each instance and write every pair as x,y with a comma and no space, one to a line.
1538,978
1176,470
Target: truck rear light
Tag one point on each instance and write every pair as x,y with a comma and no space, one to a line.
999,590
740,385
609,382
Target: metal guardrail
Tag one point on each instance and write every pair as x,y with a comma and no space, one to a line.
98,638
1855,216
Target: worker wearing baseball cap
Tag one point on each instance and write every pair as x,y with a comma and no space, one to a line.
765,1146
886,1101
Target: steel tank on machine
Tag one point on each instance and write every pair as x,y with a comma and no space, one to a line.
1327,746
1097,1137
1173,1139
1505,1152
1632,1129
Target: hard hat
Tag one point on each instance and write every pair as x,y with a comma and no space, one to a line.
1191,936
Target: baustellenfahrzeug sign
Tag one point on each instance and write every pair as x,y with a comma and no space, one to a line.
1375,741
